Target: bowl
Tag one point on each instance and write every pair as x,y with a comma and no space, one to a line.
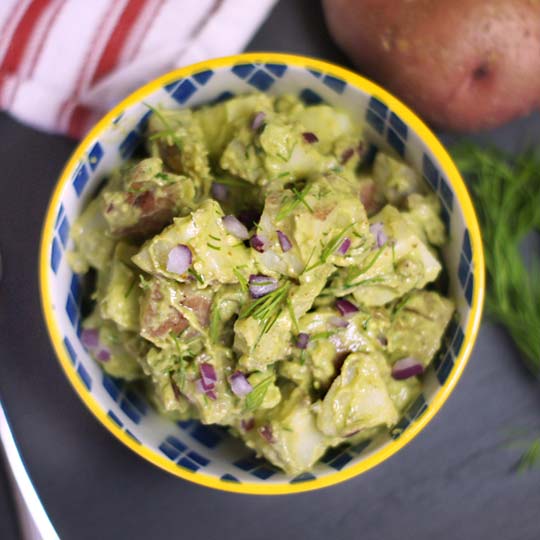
208,455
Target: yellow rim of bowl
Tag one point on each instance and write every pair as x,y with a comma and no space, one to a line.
470,219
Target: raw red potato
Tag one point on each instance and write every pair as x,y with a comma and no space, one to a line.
463,65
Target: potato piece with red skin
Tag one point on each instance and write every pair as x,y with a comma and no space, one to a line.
463,65
163,310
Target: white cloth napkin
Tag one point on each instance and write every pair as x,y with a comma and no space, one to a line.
63,63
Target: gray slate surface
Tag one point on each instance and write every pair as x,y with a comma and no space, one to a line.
453,481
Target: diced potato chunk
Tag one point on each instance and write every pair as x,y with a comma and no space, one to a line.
418,328
358,399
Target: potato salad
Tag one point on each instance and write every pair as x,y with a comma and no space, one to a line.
260,266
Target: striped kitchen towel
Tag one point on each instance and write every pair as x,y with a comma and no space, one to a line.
63,63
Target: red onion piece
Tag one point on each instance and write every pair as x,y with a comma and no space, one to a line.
302,340
90,338
338,322
176,390
259,243
206,391
345,245
267,434
258,121
235,227
377,230
208,375
103,355
219,191
346,155
179,259
284,241
309,137
248,425
345,307
261,285
406,367
239,384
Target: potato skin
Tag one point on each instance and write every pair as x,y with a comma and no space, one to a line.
463,65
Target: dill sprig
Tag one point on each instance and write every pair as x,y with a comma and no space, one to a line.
196,275
353,273
255,398
130,286
299,197
266,309
506,193
241,279
167,132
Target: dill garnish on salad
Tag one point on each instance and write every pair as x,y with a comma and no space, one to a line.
255,271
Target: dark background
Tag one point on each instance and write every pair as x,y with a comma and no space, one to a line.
453,481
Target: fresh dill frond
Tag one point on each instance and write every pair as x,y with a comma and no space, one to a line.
144,283
353,273
507,198
255,398
233,182
330,247
167,132
299,197
241,279
130,286
400,305
321,335
266,309
531,457
292,315
196,275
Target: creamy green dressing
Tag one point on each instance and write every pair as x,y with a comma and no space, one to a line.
293,328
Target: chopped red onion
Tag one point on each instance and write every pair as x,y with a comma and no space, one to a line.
345,245
90,338
345,307
267,434
338,322
284,241
239,384
208,375
377,230
302,340
248,425
259,243
176,390
235,227
103,355
406,367
219,191
346,155
309,137
206,391
260,285
179,259
258,121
